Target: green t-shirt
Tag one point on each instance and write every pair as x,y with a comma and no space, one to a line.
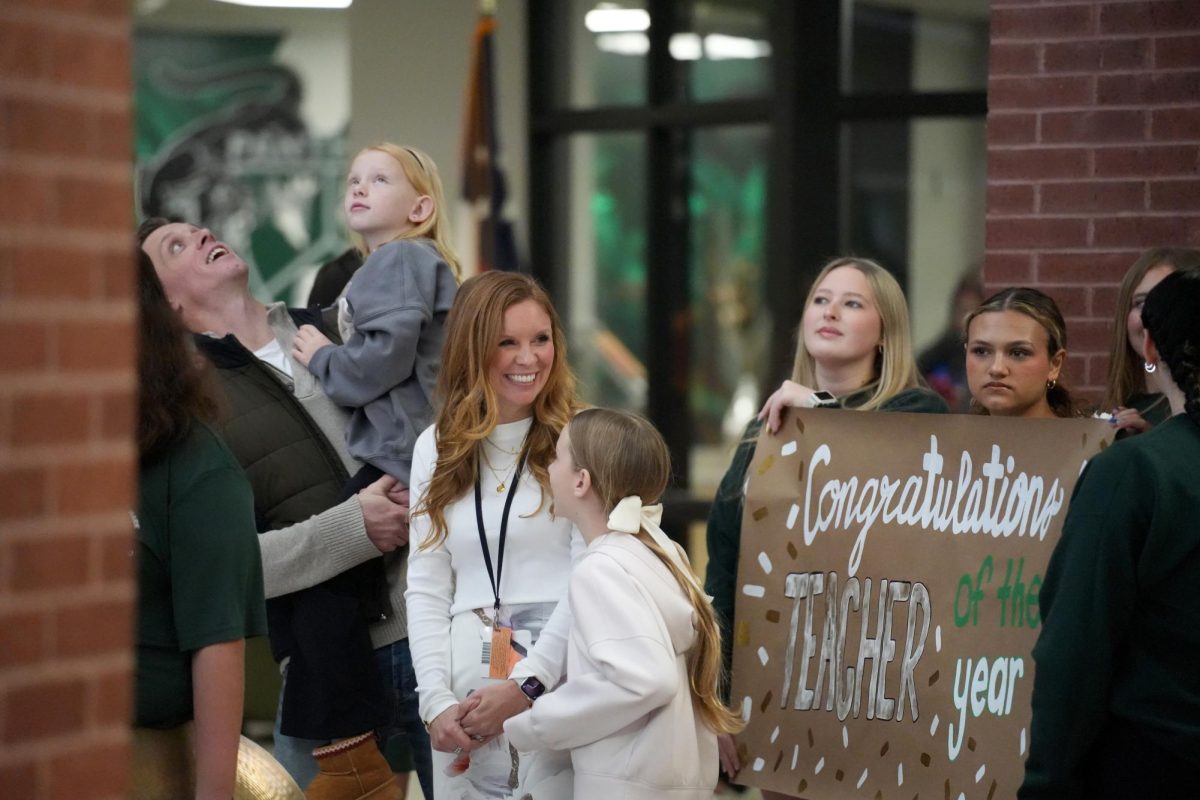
199,570
1153,407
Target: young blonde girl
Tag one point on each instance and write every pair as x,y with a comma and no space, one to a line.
391,319
392,315
639,710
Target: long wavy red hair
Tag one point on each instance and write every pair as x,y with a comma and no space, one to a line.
468,409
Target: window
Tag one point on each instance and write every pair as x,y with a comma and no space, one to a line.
693,164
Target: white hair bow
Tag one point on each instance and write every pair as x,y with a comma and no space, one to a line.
630,516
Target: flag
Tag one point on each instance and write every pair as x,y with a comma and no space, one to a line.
484,186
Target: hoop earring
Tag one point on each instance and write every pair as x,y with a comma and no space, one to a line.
1050,384
1150,367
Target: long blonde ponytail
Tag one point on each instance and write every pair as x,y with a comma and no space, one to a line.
625,455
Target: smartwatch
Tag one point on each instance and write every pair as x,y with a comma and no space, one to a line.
821,399
532,688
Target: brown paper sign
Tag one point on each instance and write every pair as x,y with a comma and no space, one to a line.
887,599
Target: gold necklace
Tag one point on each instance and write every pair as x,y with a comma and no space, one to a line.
499,478
516,452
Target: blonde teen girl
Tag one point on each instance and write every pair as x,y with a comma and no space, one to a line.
854,352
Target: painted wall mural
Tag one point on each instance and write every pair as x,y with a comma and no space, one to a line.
222,142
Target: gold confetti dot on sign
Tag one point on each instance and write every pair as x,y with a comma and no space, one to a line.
800,473
925,759
767,463
741,636
803,785
792,551
971,743
760,514
799,424
947,789
839,775
810,738
992,791
766,701
934,677
883,750
772,615
778,761
878,794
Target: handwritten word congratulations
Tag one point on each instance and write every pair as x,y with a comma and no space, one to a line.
994,502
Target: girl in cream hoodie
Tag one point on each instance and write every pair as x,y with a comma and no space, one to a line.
639,710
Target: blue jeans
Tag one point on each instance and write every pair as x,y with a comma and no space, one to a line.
395,662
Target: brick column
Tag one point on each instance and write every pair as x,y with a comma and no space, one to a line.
67,380
1093,152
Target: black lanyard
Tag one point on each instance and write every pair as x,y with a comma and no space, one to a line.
494,577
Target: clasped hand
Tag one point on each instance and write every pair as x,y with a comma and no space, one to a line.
478,719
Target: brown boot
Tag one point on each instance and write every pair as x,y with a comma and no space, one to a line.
352,769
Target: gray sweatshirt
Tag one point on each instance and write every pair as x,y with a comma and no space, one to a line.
387,369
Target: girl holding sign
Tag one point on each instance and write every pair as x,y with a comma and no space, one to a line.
639,710
492,560
1016,349
1135,409
1116,694
854,352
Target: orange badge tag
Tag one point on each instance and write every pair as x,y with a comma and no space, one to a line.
498,663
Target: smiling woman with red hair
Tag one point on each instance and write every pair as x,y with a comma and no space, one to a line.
490,556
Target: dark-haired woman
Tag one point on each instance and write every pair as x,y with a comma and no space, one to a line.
1016,349
200,590
1116,696
1135,409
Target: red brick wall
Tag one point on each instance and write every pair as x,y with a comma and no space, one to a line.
1093,152
67,375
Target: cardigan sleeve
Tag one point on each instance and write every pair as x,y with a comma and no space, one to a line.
312,551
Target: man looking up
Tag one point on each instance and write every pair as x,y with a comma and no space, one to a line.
289,438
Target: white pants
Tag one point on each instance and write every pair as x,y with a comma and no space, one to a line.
497,770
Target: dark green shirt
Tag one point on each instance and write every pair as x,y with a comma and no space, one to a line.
1118,652
199,570
725,516
1153,407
